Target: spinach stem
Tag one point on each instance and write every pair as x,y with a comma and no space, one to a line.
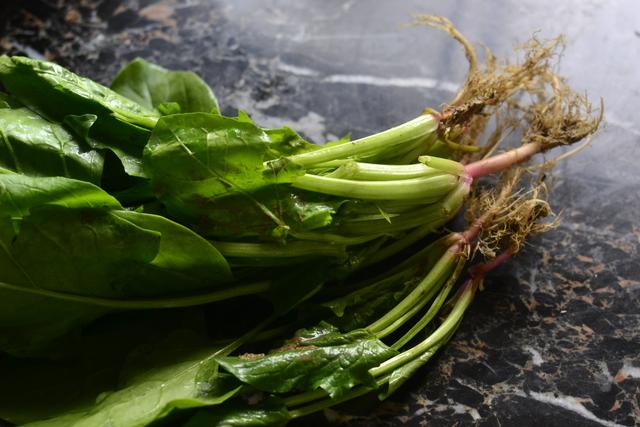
428,218
411,312
433,310
273,250
422,128
325,403
432,215
130,304
382,172
466,296
439,271
442,164
401,189
333,238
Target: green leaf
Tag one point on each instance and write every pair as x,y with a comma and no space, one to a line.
286,142
208,170
359,308
54,92
92,248
177,372
241,416
167,108
151,86
194,261
88,364
209,155
7,101
115,175
32,145
296,285
19,194
321,357
241,215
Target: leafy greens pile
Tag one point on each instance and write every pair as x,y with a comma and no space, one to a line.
160,262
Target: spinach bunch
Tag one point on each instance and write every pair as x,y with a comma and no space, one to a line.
163,263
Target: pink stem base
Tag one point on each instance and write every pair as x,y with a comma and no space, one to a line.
502,161
481,270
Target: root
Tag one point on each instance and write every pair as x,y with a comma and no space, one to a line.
527,96
564,119
444,24
514,218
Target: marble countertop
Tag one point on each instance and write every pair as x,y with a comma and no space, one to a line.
554,339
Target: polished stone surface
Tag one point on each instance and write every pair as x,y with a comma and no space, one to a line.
554,339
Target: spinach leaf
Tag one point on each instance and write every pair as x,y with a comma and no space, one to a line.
296,285
54,92
177,372
208,170
92,248
20,193
358,309
152,86
210,156
241,416
243,215
174,368
32,145
320,357
117,160
130,159
7,101
89,363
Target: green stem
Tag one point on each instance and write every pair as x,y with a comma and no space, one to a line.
381,281
460,147
326,403
425,258
362,207
421,128
432,215
393,155
382,172
411,312
243,339
131,304
445,165
440,269
302,398
411,237
433,310
271,250
450,206
415,188
411,155
148,122
333,238
438,335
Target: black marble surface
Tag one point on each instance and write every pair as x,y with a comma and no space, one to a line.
554,339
